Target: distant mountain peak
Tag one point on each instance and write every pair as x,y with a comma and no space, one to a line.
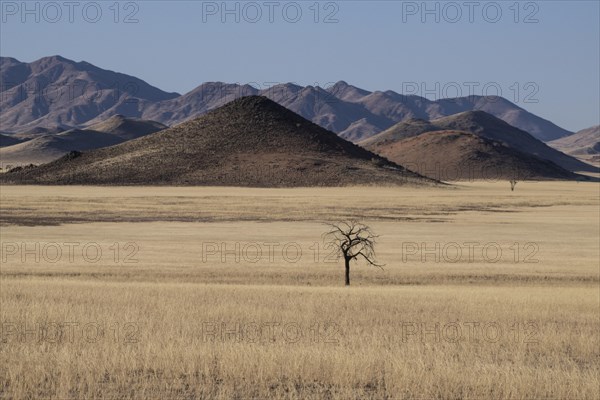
339,108
56,58
347,92
53,60
340,85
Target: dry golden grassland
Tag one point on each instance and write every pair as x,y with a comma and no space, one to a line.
165,293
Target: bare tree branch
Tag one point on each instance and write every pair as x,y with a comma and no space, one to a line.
354,240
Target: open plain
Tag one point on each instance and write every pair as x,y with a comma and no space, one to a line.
173,292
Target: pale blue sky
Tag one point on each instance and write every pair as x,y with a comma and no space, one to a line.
549,50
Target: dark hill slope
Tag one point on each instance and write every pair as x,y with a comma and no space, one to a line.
484,125
249,142
459,155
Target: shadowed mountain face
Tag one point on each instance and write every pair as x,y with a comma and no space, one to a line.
55,91
39,149
483,125
249,142
8,140
584,144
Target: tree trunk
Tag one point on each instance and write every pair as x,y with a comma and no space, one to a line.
347,260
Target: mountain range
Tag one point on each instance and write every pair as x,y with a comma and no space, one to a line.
251,141
55,107
57,93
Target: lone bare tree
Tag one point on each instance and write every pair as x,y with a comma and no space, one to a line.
354,240
513,183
